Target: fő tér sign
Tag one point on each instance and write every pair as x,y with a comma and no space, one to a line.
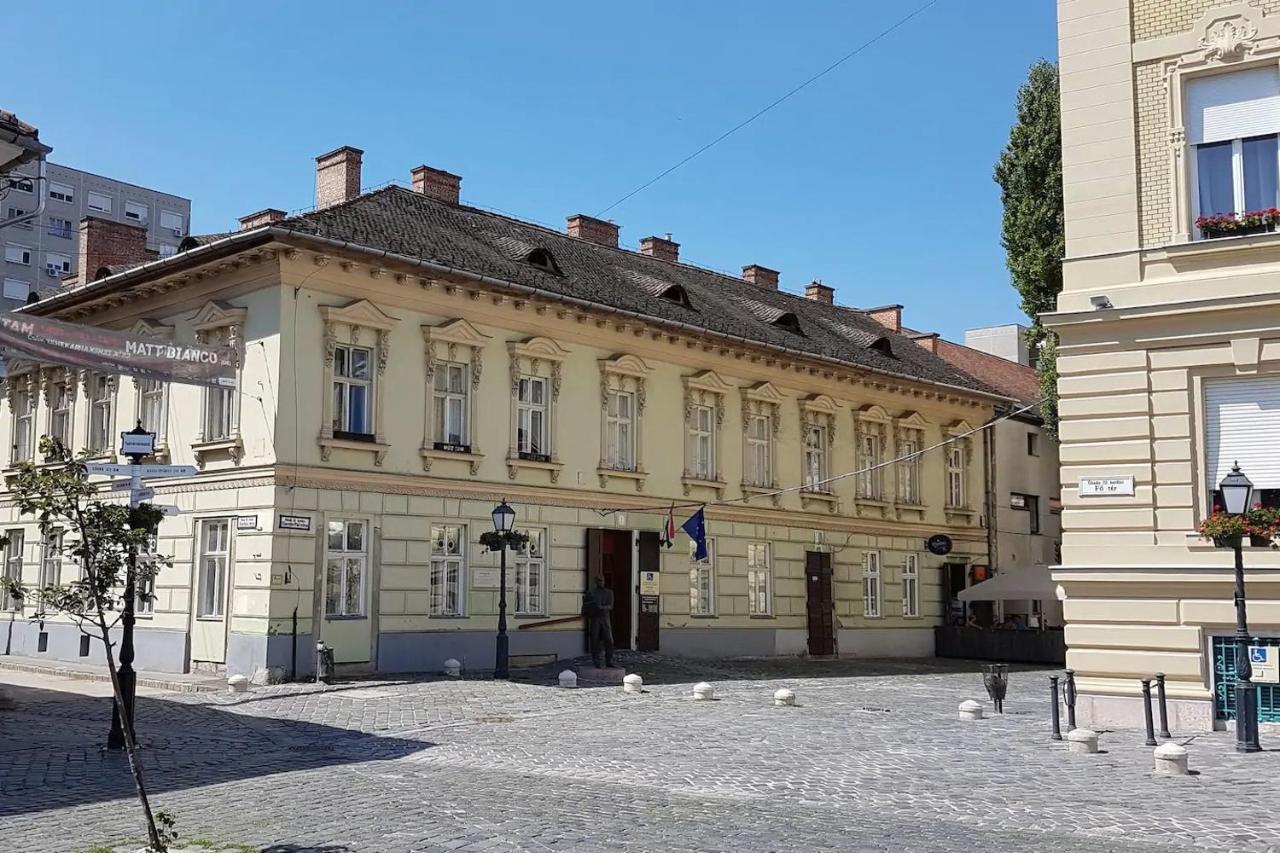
1099,487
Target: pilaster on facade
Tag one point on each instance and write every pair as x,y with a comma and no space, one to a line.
219,323
455,342
535,363
360,323
761,404
818,416
871,428
706,390
622,382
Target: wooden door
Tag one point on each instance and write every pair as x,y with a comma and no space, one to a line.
615,568
212,581
647,582
820,603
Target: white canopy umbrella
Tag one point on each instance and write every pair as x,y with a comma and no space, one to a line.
1033,582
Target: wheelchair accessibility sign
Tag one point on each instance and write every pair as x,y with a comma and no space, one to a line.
1265,663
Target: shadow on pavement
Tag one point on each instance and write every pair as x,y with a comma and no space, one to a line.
294,848
51,755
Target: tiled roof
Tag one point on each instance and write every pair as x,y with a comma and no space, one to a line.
403,222
1008,377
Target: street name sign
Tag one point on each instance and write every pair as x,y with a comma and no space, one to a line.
143,493
146,472
1101,487
138,444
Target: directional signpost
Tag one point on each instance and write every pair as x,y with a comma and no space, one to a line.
137,444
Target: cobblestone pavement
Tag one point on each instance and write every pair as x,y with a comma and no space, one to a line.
872,758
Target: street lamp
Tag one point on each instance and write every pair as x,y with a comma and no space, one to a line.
502,538
1236,493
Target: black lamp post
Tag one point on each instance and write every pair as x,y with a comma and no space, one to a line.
1236,493
125,673
503,519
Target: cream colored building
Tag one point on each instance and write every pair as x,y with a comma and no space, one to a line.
1170,341
408,361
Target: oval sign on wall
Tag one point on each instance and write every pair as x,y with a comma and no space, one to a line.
940,544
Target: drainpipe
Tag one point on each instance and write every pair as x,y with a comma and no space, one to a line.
44,196
989,474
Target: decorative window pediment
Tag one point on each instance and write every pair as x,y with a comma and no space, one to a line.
959,462
536,366
704,409
216,315
361,313
151,329
764,392
622,404
761,425
218,436
454,363
817,436
540,348
352,399
871,428
908,442
913,420
708,380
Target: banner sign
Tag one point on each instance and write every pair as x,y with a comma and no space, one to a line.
54,342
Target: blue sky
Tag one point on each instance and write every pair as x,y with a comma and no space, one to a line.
876,179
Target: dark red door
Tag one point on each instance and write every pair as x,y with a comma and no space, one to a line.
615,568
820,603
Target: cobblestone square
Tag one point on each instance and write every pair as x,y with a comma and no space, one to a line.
873,757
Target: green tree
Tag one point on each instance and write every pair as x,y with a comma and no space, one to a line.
105,541
1029,173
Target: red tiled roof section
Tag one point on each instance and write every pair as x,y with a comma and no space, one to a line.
1012,378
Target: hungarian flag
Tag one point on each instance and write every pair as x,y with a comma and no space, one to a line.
669,532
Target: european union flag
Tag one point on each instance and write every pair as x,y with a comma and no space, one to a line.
696,527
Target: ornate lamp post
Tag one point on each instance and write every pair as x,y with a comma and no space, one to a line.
138,444
502,537
1237,491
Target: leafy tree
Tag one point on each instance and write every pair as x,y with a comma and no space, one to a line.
1029,173
105,541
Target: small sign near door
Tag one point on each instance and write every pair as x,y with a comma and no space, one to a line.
1265,663
296,522
649,583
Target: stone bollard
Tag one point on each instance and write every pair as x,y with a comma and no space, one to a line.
1082,741
970,710
633,684
238,684
1170,760
568,678
784,697
703,691
452,668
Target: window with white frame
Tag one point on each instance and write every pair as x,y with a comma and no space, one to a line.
759,436
1232,125
531,575
56,264
14,213
16,253
620,452
956,497
12,568
346,567
702,442
151,408
16,288
870,476
702,581
24,420
99,202
64,229
532,435
911,586
909,445
20,184
211,573
815,459
451,405
60,397
173,222
51,560
448,566
62,192
759,580
219,413
352,390
102,393
136,212
871,584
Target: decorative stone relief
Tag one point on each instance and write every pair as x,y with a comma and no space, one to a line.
1229,39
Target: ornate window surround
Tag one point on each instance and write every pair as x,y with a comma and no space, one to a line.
706,389
527,358
107,453
22,377
902,424
1231,41
623,373
448,338
819,410
966,513
217,320
872,419
155,330
354,320
51,378
763,398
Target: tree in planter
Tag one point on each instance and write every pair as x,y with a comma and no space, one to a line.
105,540
1033,232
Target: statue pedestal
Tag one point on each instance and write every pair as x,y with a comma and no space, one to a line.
601,675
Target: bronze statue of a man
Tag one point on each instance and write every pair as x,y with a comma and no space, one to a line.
597,609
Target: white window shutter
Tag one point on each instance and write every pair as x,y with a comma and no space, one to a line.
1242,424
1233,106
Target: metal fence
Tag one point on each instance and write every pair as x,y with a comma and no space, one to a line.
997,644
1224,682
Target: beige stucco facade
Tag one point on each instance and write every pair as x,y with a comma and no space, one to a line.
1149,314
283,475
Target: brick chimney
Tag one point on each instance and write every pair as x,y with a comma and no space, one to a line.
929,341
819,292
437,183
107,245
337,176
662,248
760,276
593,230
889,316
262,217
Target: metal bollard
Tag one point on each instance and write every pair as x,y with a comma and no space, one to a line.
1057,723
324,662
1146,712
1164,706
1069,696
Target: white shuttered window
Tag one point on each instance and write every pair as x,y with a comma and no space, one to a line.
1242,424
1233,106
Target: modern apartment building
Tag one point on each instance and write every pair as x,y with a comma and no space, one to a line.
40,253
409,361
1169,342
